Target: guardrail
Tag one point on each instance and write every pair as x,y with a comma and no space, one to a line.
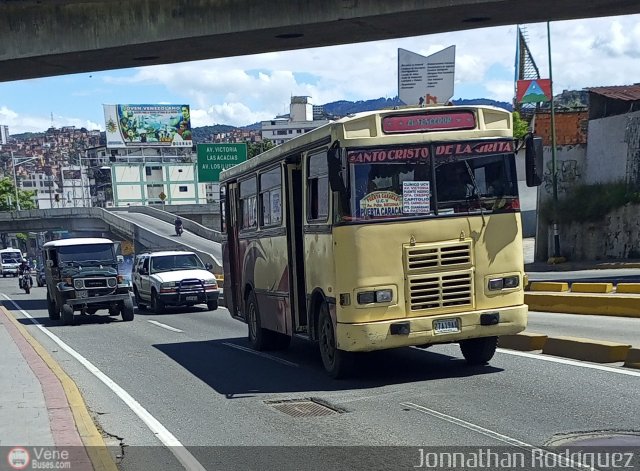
188,224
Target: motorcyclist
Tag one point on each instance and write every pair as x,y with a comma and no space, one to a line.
22,269
177,223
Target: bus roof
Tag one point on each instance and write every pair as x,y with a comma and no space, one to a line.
325,134
77,241
10,249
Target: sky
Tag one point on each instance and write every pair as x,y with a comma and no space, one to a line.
243,90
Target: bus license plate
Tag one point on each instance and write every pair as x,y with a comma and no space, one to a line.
446,326
192,298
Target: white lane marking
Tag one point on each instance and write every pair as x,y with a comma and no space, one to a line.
565,361
167,438
497,436
261,354
165,326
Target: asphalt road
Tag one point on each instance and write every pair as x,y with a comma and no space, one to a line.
192,378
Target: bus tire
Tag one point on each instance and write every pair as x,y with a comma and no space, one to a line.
54,313
479,351
337,363
258,337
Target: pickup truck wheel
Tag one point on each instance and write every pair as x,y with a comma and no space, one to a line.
54,313
156,303
212,305
67,314
126,310
479,351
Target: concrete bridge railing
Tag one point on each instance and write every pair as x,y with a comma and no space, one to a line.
188,224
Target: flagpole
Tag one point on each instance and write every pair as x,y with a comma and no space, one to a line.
554,172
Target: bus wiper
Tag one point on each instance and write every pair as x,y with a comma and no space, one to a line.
476,191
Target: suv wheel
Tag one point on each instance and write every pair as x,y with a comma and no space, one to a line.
126,310
212,305
54,313
139,302
156,303
67,314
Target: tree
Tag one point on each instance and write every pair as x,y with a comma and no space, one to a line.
255,148
8,196
520,126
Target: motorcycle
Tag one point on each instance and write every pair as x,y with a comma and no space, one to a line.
178,230
26,282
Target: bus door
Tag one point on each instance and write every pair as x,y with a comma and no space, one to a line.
295,242
235,272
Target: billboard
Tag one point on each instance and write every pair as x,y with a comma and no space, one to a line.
213,158
148,126
426,80
533,91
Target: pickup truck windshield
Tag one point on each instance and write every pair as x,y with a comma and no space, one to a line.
175,262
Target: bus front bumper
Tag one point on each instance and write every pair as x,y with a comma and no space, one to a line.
420,331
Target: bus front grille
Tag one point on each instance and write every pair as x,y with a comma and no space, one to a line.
451,255
438,291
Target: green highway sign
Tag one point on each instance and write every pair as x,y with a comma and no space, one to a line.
213,158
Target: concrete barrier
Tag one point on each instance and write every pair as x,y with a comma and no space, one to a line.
548,286
633,358
524,341
596,351
628,288
591,287
623,305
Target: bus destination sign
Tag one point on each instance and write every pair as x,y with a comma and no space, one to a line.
442,121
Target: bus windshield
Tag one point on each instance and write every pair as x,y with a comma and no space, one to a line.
391,190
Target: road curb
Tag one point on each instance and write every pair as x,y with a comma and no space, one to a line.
623,305
633,358
92,439
524,341
596,351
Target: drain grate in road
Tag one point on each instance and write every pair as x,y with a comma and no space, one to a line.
303,408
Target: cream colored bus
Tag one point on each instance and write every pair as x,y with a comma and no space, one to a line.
380,230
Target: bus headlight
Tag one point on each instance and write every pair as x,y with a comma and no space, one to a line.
379,296
508,282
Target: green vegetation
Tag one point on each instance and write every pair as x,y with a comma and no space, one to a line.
590,203
255,148
520,126
8,196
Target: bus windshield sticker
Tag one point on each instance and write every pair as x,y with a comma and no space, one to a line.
443,121
416,197
381,203
387,155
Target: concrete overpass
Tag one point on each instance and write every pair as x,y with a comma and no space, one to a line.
58,37
149,228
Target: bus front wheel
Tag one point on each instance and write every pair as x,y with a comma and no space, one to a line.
479,351
337,363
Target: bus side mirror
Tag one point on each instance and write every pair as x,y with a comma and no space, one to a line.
334,165
533,160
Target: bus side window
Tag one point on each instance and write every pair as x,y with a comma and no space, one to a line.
318,188
248,204
270,198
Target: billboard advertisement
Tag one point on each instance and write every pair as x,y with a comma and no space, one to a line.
213,158
426,80
148,126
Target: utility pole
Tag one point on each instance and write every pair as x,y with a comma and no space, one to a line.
554,171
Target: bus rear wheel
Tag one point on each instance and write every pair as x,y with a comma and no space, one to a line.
479,351
259,338
338,363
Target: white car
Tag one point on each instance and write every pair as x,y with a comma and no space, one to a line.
173,278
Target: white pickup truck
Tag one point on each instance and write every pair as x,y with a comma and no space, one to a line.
173,278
